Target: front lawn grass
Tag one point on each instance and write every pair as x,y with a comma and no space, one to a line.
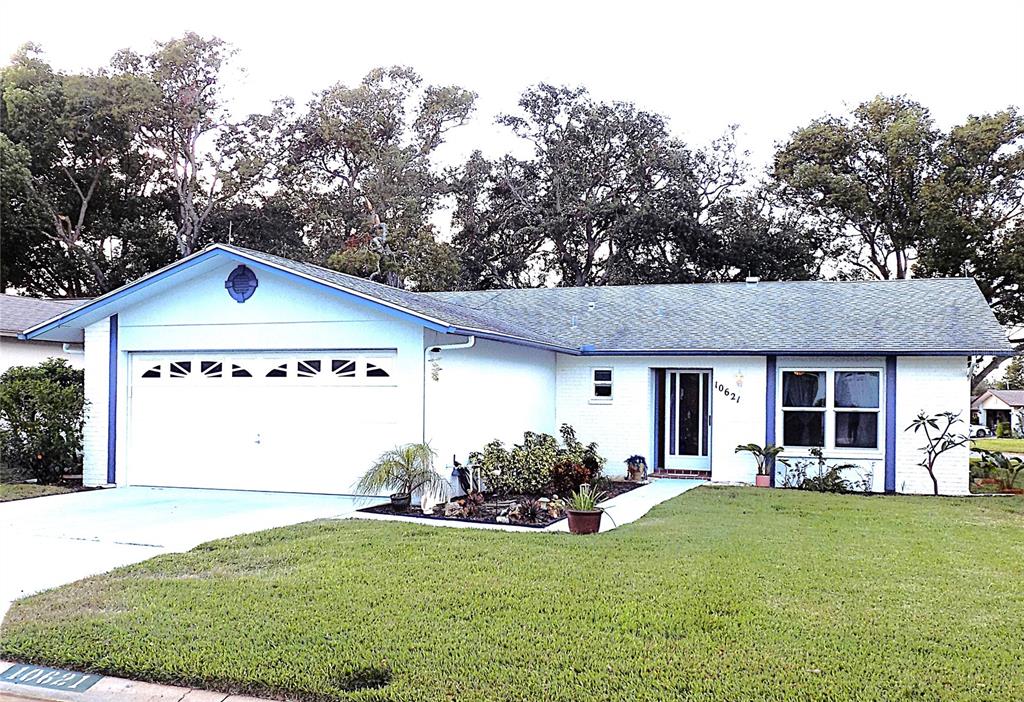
23,491
719,594
1007,445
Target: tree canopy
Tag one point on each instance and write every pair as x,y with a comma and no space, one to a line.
109,174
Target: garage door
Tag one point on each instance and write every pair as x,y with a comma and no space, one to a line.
296,422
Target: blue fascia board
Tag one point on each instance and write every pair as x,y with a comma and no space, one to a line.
323,285
588,350
514,340
118,294
201,257
207,254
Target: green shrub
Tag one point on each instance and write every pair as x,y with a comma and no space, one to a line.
41,418
567,474
816,474
527,468
1003,430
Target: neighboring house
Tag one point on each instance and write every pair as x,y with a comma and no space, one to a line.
237,369
995,406
18,313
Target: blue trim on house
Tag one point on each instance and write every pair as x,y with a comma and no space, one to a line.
771,365
261,265
131,288
890,424
112,403
589,350
359,299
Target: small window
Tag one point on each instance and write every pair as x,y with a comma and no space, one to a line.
307,369
179,369
375,371
211,369
343,368
153,372
280,372
238,372
857,430
803,408
857,389
602,383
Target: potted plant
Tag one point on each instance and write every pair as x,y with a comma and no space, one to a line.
1007,468
584,514
404,470
636,467
765,457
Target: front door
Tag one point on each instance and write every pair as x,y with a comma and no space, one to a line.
687,425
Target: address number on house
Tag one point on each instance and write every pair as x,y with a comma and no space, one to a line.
50,678
727,391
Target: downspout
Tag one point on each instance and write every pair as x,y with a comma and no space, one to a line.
438,348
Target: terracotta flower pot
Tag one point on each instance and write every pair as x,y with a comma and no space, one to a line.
584,522
763,481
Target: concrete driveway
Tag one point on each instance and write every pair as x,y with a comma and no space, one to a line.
51,541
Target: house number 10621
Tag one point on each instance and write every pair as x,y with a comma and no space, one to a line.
727,392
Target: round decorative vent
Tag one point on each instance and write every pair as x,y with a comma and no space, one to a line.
241,284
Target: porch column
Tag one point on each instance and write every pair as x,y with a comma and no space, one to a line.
890,424
112,403
769,409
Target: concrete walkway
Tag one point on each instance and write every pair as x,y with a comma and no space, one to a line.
104,690
622,509
634,504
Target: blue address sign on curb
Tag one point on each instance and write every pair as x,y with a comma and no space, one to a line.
50,678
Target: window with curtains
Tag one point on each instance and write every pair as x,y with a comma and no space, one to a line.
831,408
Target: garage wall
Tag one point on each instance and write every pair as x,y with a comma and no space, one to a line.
94,435
198,314
490,391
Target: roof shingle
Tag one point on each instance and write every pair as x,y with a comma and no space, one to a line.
18,313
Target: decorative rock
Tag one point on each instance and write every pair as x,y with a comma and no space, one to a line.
502,519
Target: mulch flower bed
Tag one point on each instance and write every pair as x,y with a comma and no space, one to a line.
501,510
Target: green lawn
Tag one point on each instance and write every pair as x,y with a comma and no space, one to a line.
1011,445
23,491
720,594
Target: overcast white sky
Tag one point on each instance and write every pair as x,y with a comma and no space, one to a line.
768,67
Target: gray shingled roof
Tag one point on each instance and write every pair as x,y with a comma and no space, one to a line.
899,316
1014,398
919,316
18,313
437,308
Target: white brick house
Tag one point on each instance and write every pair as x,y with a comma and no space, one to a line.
237,369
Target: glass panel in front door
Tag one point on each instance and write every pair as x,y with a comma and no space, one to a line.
687,431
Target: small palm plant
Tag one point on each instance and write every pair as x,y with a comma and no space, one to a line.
765,457
404,470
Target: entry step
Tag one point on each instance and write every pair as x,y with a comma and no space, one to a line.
682,474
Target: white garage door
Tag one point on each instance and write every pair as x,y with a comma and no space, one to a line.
297,422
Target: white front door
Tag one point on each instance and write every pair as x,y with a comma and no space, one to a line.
310,421
687,430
